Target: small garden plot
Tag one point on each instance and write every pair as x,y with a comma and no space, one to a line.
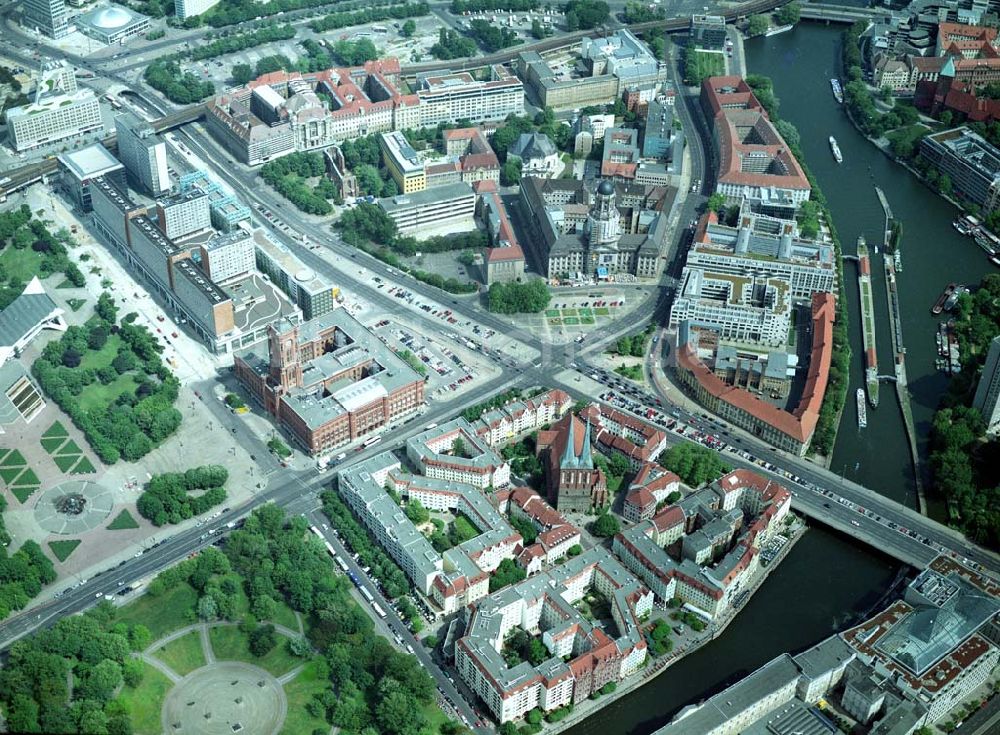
123,521
83,467
62,549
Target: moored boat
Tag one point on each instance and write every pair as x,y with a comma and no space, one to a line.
838,91
835,149
939,304
862,408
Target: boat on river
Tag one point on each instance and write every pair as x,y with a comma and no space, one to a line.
838,91
989,242
835,149
862,408
939,304
995,260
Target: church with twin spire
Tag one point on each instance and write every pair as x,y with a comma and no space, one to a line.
573,482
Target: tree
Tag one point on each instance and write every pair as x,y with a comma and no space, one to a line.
758,25
458,447
716,202
242,73
207,608
261,640
944,184
789,14
694,464
97,336
618,465
71,357
105,308
506,573
408,29
510,173
945,117
605,526
519,298
416,512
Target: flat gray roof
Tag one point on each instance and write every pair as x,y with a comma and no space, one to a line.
85,163
426,197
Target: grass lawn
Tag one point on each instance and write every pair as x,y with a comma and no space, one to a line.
7,474
13,459
551,312
3,453
75,304
57,429
123,521
587,311
172,610
586,320
569,312
183,655
145,703
62,549
96,396
66,461
23,492
20,264
84,467
70,447
51,444
435,717
96,359
571,321
28,477
285,616
299,691
230,644
602,311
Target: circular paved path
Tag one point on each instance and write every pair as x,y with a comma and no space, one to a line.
225,698
100,502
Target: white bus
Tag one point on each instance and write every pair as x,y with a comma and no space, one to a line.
378,609
329,549
342,564
366,594
372,442
317,532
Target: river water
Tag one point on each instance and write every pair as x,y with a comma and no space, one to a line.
826,580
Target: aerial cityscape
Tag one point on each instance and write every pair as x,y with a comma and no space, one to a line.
439,367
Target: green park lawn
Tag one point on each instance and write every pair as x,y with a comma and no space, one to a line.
13,458
551,313
571,321
20,264
96,359
285,616
123,521
28,477
75,304
65,462
299,692
23,492
602,311
586,320
145,703
51,444
230,644
586,311
56,430
70,447
97,396
62,549
569,312
163,613
83,467
184,654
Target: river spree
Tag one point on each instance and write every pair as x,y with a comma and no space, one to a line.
801,63
826,581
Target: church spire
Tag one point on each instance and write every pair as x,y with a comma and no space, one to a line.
569,460
586,458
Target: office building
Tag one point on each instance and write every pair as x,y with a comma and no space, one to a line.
580,232
582,656
185,9
504,257
607,67
310,291
660,139
112,24
402,162
225,210
754,160
788,430
987,398
46,16
81,167
708,31
770,246
440,210
54,118
143,153
228,256
183,214
971,163
445,97
329,381
283,112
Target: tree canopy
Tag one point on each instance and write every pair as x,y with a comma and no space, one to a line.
519,298
172,497
693,463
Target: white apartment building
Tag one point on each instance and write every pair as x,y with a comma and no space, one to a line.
184,214
229,256
185,9
452,206
478,465
53,119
